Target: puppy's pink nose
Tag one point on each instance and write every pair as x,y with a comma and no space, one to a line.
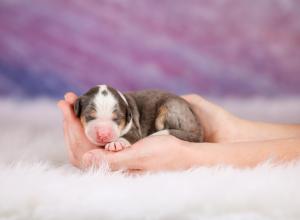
104,135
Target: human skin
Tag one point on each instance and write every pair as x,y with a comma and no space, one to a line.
229,140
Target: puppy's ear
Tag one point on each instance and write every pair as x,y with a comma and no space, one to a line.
128,115
78,107
129,108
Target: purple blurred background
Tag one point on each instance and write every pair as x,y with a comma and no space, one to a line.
212,47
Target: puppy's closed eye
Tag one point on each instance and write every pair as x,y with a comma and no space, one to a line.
116,119
89,118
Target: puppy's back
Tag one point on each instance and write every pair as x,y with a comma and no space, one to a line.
160,110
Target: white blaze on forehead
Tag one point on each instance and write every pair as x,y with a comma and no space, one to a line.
104,103
104,88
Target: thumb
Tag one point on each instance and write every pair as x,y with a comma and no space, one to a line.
70,97
67,110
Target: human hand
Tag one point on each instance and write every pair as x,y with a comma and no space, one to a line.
75,139
218,124
157,153
153,153
165,152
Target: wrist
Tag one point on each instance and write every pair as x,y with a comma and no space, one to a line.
246,130
228,128
199,154
236,130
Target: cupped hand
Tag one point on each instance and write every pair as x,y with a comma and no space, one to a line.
76,142
153,153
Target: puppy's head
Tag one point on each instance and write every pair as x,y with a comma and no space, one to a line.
104,113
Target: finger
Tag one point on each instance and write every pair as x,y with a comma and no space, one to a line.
193,98
73,123
73,158
67,111
73,131
70,97
66,136
199,101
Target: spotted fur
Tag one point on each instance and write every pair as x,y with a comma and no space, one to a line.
135,115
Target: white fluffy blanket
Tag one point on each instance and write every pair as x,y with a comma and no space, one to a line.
36,181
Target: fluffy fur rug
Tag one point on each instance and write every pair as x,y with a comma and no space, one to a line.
36,181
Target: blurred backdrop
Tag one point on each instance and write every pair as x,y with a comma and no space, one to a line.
213,47
242,54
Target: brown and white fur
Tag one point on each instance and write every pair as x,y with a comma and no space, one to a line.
117,120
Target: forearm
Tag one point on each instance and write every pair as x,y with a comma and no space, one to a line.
244,154
257,131
222,126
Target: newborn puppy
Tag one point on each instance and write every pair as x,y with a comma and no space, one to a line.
117,120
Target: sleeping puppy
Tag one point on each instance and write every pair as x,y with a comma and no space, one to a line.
115,120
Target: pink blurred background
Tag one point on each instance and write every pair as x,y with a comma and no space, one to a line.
213,47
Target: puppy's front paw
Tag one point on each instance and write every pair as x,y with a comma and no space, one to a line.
117,145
